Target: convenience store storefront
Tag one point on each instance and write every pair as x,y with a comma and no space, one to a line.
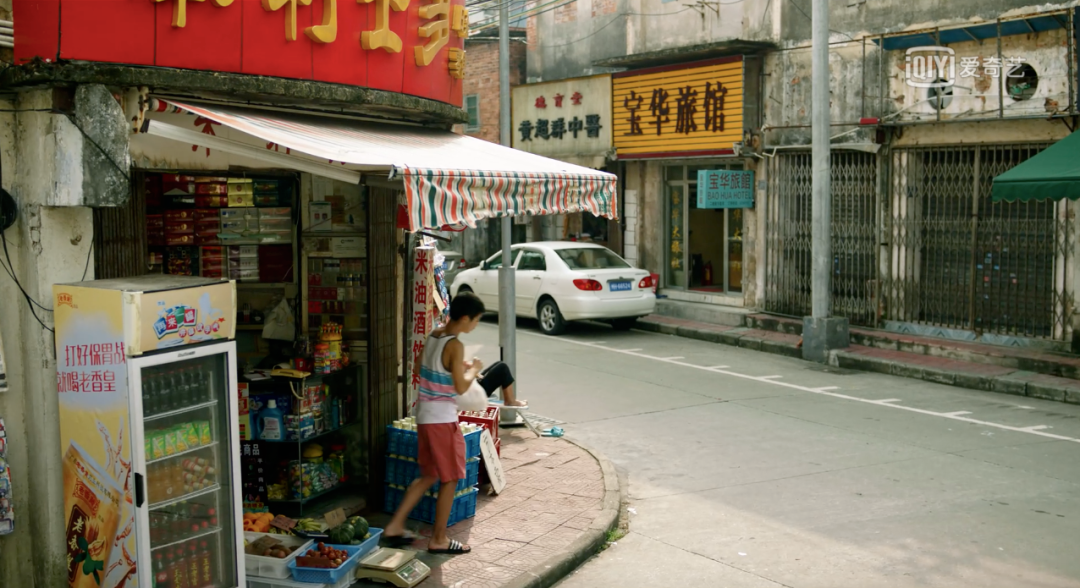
263,147
673,126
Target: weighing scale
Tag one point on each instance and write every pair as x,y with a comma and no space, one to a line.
393,566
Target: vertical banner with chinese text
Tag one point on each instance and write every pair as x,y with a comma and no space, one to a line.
421,319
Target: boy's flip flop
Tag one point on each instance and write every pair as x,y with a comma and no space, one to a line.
456,548
403,540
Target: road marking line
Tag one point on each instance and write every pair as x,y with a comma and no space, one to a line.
719,367
827,388
771,377
957,413
1036,428
670,358
889,402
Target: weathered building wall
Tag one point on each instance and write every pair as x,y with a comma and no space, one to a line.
582,32
54,172
482,79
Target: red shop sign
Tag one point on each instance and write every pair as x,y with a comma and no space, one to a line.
407,46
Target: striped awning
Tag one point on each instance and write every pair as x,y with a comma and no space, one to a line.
449,179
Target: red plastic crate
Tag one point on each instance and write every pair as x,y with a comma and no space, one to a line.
488,419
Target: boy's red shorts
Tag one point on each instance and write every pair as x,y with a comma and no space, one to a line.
442,451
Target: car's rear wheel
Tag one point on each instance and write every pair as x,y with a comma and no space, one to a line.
551,320
624,324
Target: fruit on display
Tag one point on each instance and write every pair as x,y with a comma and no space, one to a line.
342,534
325,556
360,526
257,522
309,525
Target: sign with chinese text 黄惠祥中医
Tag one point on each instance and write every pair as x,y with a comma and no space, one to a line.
695,109
411,47
563,118
722,188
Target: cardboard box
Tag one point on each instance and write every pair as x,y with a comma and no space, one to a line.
212,201
212,189
240,200
217,252
179,227
179,215
179,240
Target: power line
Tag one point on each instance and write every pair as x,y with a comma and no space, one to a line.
560,3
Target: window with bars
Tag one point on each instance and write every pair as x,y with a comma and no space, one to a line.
472,107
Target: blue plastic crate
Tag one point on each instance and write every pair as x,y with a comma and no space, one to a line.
472,444
402,472
405,444
334,575
464,506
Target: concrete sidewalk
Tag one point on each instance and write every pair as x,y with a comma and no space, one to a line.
999,369
559,503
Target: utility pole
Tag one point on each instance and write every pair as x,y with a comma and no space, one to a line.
821,332
507,317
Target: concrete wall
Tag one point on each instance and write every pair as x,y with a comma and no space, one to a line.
855,17
48,245
585,31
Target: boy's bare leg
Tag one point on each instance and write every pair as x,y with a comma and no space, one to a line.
509,398
416,490
439,540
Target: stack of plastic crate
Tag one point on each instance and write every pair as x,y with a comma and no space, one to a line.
402,468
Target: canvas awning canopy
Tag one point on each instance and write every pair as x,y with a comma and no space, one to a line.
449,179
1053,174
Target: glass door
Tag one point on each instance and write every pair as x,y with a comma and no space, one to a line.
188,497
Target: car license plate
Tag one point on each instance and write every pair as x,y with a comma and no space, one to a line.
621,286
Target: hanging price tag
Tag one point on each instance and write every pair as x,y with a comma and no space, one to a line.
335,517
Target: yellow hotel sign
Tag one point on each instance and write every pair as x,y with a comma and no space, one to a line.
678,110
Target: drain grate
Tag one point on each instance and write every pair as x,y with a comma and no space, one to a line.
541,422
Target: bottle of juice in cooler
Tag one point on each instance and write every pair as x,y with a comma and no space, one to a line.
161,573
206,565
194,577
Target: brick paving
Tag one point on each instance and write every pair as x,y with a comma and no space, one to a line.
554,493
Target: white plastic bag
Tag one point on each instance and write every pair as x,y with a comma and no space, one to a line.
280,324
474,399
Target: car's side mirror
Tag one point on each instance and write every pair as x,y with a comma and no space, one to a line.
484,266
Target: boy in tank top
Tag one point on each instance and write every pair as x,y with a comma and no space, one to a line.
444,374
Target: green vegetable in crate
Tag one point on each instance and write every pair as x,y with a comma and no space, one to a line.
342,534
361,526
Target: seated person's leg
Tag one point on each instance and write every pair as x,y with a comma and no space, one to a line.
496,376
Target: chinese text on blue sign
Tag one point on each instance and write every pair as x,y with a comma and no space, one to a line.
720,188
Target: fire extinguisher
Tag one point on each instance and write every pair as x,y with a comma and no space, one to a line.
707,280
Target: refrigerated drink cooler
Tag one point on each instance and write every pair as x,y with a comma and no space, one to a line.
146,375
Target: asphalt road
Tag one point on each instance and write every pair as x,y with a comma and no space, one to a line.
750,469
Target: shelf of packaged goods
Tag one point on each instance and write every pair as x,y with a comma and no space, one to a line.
332,255
180,411
193,537
196,494
308,499
175,455
323,434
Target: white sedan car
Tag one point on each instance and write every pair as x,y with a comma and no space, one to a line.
556,282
